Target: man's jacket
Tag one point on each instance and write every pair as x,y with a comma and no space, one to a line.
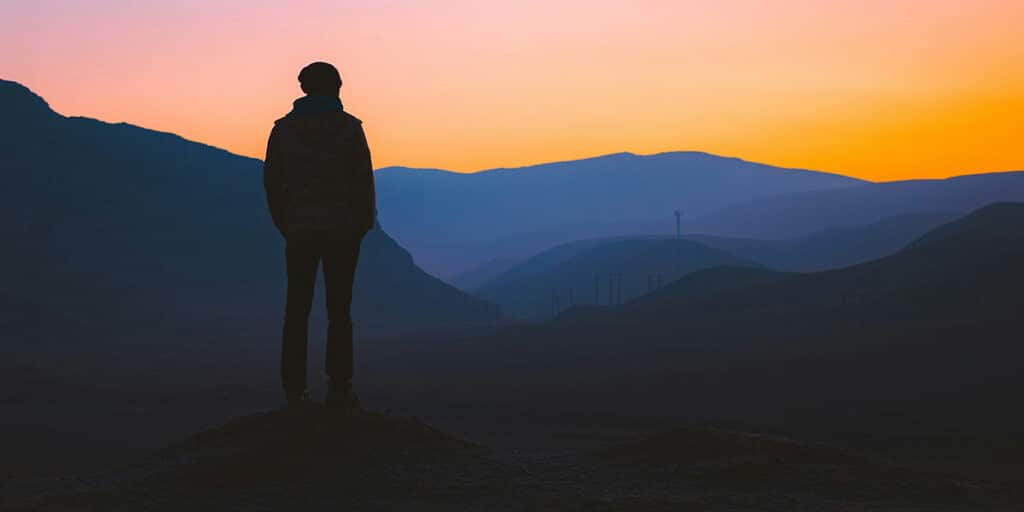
318,174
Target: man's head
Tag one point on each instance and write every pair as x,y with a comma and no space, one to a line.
321,79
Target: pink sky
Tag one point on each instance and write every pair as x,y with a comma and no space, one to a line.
876,89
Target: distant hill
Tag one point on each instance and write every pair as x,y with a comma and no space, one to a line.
803,213
822,250
598,272
136,226
456,222
971,256
478,276
833,247
927,338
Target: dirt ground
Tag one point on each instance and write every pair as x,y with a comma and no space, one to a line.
318,459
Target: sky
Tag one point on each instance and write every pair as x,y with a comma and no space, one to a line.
881,90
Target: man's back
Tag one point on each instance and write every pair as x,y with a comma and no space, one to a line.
318,165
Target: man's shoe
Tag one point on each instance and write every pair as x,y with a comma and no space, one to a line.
342,398
298,400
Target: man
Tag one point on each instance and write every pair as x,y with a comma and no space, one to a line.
319,182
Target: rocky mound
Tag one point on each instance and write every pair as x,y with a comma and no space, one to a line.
309,459
300,444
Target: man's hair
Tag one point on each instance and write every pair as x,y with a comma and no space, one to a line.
320,78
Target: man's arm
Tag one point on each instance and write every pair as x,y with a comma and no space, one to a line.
273,183
366,214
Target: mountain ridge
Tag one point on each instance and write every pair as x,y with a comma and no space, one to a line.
801,213
140,226
618,155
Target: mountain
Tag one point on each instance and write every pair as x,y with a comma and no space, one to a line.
833,247
945,270
822,250
136,226
605,272
478,276
455,222
392,293
800,214
926,339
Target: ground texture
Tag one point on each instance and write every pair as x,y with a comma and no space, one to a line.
318,459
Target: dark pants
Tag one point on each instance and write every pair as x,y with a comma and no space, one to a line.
339,252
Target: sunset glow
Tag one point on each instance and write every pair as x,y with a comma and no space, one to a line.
876,89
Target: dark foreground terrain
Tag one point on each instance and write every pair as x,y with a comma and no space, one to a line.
316,459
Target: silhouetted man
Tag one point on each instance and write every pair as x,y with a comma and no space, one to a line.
319,182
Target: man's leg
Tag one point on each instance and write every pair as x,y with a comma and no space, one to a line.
303,256
340,258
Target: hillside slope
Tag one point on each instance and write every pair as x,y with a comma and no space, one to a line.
803,213
834,247
118,222
598,272
518,212
924,339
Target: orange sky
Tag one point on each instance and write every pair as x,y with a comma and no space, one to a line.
876,89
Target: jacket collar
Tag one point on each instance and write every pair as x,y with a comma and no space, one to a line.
315,104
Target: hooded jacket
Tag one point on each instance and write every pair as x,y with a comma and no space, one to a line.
318,173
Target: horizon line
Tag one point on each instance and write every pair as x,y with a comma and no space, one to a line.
527,166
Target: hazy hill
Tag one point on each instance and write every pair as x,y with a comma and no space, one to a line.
822,250
598,272
803,213
118,222
833,247
455,222
927,338
943,271
479,275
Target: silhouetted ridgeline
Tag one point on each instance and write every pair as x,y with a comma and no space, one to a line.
115,221
599,272
518,212
833,247
590,272
803,213
928,338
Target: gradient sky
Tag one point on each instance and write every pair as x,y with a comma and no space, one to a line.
876,89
